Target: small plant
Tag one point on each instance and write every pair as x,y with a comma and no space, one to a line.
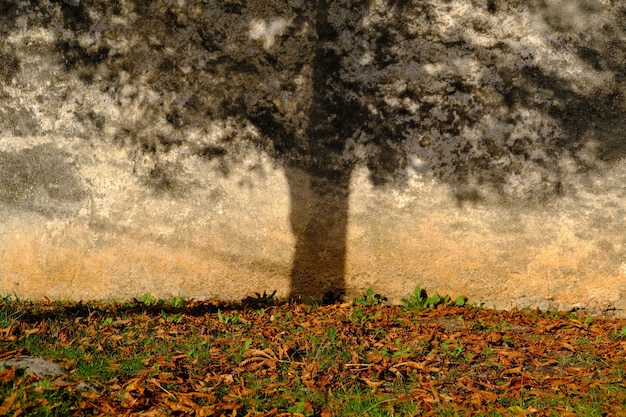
332,334
148,300
370,298
420,300
479,326
172,318
361,315
228,318
434,300
246,345
415,300
259,299
619,334
508,340
301,408
403,351
107,322
10,299
177,302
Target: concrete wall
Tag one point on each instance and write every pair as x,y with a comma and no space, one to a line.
217,149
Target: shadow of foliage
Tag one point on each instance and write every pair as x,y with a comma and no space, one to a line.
40,179
499,100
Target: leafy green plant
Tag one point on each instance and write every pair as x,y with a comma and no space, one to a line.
149,300
172,318
415,300
246,345
420,300
107,322
301,408
403,351
332,334
361,315
508,340
227,318
177,302
370,298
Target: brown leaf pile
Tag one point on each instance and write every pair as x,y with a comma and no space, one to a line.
292,359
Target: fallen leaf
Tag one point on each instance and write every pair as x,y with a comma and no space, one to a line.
374,385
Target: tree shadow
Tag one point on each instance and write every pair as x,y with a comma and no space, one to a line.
319,222
325,87
592,116
40,179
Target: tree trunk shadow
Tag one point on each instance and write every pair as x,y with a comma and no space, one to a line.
319,220
319,186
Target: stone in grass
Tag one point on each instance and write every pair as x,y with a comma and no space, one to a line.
42,368
38,367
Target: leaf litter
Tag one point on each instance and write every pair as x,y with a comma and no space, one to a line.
209,358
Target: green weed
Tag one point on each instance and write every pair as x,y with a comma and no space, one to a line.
619,334
420,300
149,300
227,319
370,298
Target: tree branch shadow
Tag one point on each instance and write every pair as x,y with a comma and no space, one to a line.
325,87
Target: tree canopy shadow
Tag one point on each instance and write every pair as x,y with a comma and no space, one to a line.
470,95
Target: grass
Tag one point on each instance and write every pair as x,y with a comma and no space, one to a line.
430,356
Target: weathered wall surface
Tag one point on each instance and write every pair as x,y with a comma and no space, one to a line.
217,149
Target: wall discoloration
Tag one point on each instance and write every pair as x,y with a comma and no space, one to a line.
319,148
